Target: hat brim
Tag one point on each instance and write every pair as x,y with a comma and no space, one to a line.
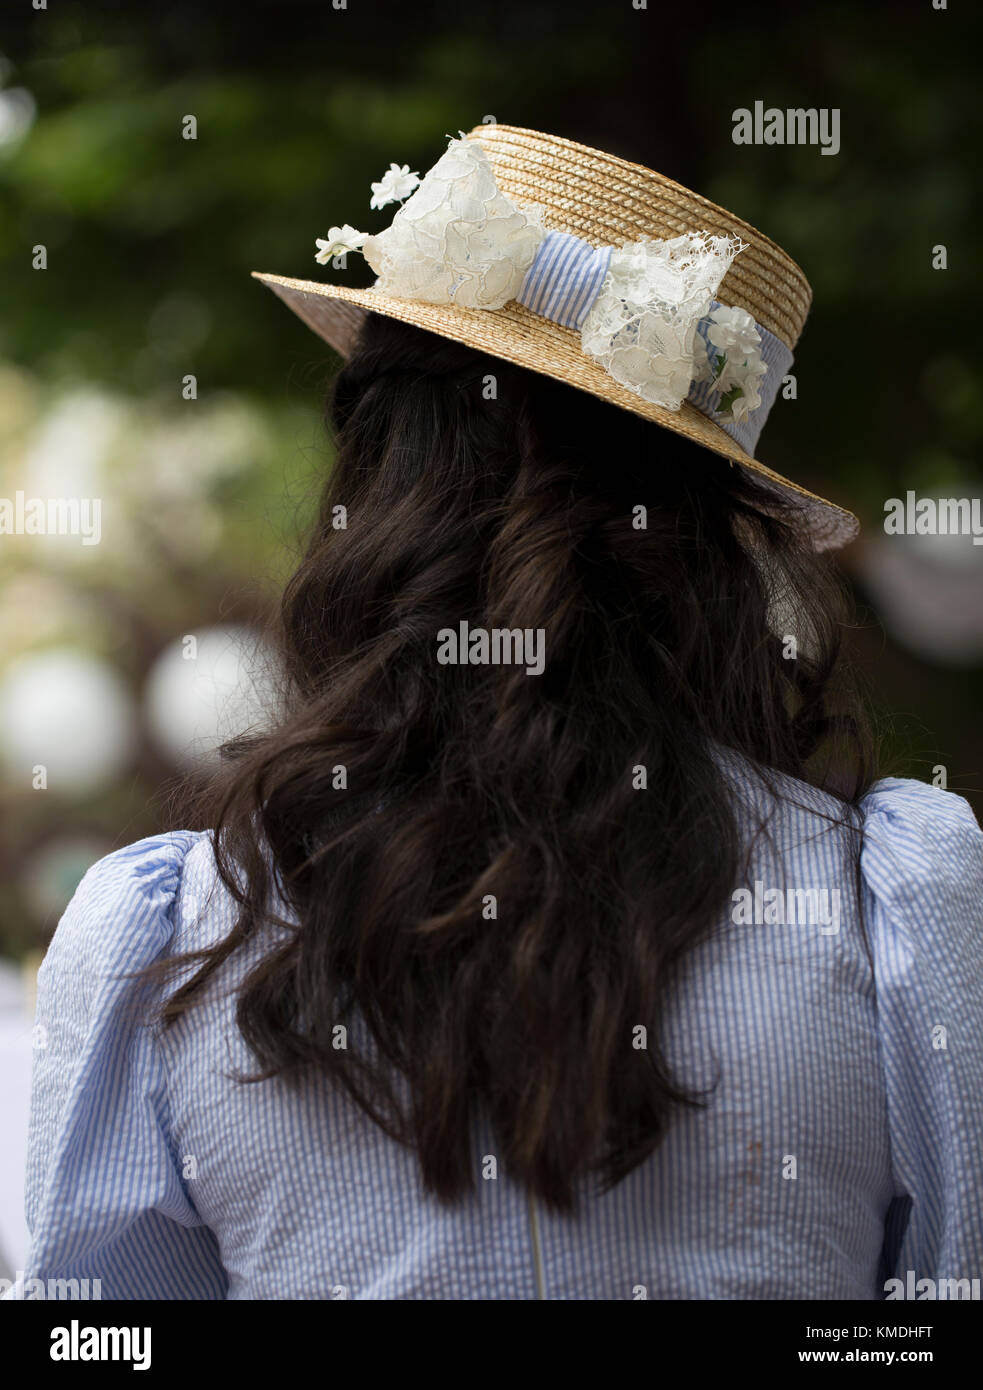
515,334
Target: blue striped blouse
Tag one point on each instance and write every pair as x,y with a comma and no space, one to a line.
842,1146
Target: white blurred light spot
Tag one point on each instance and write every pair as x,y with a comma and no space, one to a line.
70,712
193,704
929,591
17,111
67,456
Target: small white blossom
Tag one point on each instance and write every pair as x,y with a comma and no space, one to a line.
739,369
755,368
733,330
739,411
338,241
702,370
395,185
744,378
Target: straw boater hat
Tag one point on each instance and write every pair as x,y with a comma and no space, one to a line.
592,270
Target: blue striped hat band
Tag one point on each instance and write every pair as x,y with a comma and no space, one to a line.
565,279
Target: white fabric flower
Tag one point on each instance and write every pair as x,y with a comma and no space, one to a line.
642,325
740,409
338,241
743,378
702,370
739,368
458,239
395,185
740,371
733,330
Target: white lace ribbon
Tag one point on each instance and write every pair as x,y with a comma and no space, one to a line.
642,326
646,312
458,239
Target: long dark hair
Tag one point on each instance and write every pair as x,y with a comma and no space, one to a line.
470,860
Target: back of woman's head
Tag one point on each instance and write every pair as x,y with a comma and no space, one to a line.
496,868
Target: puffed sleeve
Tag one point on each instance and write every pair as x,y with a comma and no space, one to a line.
922,868
105,1195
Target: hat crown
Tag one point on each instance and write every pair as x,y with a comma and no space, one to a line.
609,201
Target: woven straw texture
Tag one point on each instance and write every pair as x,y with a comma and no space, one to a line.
606,201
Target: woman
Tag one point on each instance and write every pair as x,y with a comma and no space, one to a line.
557,943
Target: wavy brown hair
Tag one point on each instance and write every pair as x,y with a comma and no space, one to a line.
398,797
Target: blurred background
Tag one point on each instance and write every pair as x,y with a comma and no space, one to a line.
150,238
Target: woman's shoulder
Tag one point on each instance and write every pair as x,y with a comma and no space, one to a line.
892,807
916,840
124,910
922,855
906,802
